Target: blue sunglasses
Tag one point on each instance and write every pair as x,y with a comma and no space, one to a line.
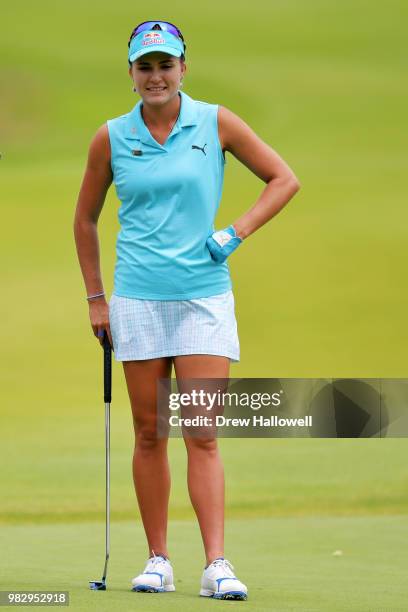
157,25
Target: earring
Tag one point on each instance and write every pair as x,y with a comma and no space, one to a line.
134,88
181,83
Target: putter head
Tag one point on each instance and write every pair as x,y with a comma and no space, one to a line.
97,585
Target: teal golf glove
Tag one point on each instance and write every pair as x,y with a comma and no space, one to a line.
223,243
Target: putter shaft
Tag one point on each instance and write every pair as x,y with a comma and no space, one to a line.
97,585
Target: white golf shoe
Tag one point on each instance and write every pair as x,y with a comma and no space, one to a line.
218,581
156,578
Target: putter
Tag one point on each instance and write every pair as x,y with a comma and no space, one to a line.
100,585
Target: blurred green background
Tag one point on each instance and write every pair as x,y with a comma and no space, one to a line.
320,291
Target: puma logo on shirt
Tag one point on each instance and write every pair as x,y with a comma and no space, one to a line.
201,148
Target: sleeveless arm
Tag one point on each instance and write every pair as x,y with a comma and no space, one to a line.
95,184
281,182
97,178
246,146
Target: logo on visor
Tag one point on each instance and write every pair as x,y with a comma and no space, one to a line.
152,38
156,41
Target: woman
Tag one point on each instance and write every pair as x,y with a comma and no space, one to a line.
172,302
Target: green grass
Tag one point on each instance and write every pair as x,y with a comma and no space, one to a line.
320,292
287,563
63,479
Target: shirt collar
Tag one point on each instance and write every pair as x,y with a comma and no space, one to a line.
136,129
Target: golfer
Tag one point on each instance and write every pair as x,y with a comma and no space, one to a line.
172,303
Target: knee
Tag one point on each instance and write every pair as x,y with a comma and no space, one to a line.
147,438
201,445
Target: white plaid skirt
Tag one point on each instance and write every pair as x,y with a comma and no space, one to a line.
146,329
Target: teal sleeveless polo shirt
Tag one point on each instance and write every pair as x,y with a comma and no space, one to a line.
169,195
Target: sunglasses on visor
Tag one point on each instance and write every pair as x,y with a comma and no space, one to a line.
164,25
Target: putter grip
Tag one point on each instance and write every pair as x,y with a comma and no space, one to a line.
107,369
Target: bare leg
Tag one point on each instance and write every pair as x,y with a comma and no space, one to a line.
205,472
151,474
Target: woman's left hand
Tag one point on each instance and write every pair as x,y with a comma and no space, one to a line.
222,243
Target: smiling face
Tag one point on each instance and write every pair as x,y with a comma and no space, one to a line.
156,76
